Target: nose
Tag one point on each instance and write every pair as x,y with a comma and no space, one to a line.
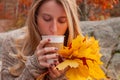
54,28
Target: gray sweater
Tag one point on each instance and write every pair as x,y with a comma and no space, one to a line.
29,72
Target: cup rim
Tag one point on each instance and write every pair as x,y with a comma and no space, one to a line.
54,38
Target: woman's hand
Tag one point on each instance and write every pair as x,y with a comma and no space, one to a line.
54,73
42,56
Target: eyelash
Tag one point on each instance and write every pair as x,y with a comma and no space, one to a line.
47,19
62,21
51,19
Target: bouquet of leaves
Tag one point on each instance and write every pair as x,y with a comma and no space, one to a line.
83,57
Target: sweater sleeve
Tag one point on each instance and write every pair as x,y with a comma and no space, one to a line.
29,72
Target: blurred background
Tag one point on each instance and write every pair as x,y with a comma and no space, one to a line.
13,13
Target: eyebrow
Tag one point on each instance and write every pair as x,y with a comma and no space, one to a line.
63,17
50,15
45,14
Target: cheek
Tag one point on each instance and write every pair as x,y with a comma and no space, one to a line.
62,29
43,27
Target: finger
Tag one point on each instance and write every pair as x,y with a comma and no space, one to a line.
44,64
48,56
55,71
42,58
56,62
46,50
42,43
51,74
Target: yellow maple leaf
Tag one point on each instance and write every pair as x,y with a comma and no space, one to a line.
83,57
95,70
68,63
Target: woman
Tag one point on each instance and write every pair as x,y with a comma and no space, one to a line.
46,17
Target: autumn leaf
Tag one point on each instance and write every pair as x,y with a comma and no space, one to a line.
66,63
83,58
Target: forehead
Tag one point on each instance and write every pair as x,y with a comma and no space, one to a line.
51,6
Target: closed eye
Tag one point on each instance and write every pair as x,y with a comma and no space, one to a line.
46,17
62,20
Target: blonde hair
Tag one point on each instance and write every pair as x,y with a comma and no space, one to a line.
34,36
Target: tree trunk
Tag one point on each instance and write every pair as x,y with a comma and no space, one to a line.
84,11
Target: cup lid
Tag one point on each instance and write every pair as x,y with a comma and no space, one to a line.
54,38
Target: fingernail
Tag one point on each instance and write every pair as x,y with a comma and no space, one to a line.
60,59
51,65
56,49
57,68
55,64
57,55
55,61
48,39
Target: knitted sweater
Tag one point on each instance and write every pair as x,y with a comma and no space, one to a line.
29,71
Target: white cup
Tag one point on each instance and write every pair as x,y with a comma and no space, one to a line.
55,41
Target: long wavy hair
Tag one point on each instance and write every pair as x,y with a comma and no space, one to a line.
33,35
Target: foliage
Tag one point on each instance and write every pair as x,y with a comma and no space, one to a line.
104,4
2,10
97,9
24,6
83,58
22,10
19,16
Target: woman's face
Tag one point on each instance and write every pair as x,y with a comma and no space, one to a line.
52,19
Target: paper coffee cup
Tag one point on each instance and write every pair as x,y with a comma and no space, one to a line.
55,41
